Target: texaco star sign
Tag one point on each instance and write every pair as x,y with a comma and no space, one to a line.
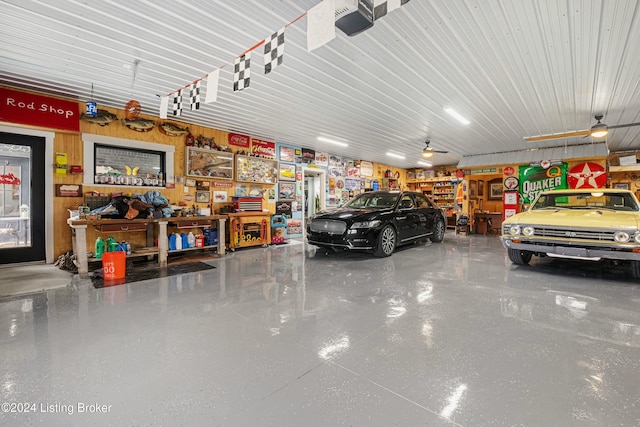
587,175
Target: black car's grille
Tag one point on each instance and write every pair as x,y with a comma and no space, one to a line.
328,226
565,233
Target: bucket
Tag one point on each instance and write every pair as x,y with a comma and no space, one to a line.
114,265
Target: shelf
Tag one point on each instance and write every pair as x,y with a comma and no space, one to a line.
193,249
629,168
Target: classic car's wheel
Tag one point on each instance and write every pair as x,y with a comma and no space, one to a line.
386,242
519,257
438,231
635,269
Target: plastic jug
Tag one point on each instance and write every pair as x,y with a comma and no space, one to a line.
112,244
191,239
178,241
185,241
172,242
99,247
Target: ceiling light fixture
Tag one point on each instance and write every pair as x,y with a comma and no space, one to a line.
456,115
599,129
397,156
333,141
427,153
421,163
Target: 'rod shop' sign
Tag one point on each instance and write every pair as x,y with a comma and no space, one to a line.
37,110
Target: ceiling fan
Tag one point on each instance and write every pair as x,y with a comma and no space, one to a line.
598,130
428,151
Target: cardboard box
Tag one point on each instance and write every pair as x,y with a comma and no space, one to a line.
628,160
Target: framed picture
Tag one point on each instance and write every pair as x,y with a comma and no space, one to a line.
473,186
203,196
203,185
480,189
219,196
495,190
209,163
189,182
68,190
287,191
621,185
287,172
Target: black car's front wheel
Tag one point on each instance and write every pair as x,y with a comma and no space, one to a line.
438,231
386,242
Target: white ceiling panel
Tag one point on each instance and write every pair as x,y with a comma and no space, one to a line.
513,68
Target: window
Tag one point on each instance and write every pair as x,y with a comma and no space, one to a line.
128,166
106,157
423,201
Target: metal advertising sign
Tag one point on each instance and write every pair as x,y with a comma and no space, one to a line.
534,179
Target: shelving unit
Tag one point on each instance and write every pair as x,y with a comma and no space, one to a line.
390,184
440,189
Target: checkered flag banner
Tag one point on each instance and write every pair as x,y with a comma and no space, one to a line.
273,51
242,72
194,95
177,103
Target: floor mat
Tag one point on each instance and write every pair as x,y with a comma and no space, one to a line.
146,271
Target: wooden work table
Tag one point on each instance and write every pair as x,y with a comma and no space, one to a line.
79,227
487,222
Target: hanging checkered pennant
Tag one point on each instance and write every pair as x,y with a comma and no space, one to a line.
194,95
242,72
177,103
273,50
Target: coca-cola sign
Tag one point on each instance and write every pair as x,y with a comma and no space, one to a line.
239,140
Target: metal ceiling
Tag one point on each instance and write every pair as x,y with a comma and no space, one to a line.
513,68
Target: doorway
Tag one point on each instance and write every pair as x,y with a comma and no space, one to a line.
314,196
22,198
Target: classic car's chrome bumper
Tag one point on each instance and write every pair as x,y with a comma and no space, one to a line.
622,252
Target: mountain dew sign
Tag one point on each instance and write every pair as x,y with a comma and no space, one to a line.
537,178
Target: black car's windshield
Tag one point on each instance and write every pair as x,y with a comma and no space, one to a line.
587,200
373,200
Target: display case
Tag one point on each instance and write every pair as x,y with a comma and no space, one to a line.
201,162
256,169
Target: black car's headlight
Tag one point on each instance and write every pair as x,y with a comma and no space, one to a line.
366,224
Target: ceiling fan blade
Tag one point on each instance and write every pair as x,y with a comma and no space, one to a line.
440,151
624,126
558,135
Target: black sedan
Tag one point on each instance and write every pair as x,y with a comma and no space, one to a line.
377,222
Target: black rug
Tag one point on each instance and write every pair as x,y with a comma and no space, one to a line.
145,271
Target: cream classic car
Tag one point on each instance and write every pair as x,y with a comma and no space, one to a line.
591,224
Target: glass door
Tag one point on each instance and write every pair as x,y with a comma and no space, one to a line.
22,219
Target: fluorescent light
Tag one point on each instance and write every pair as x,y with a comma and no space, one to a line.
456,115
420,162
332,141
397,156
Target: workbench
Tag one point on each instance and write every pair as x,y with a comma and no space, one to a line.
79,228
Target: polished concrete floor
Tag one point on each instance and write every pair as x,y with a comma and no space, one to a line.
447,334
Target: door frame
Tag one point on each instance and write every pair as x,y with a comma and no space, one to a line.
48,178
323,192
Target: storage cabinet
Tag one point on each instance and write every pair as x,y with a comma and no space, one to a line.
249,229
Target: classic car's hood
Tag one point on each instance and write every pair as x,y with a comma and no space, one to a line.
590,218
348,213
